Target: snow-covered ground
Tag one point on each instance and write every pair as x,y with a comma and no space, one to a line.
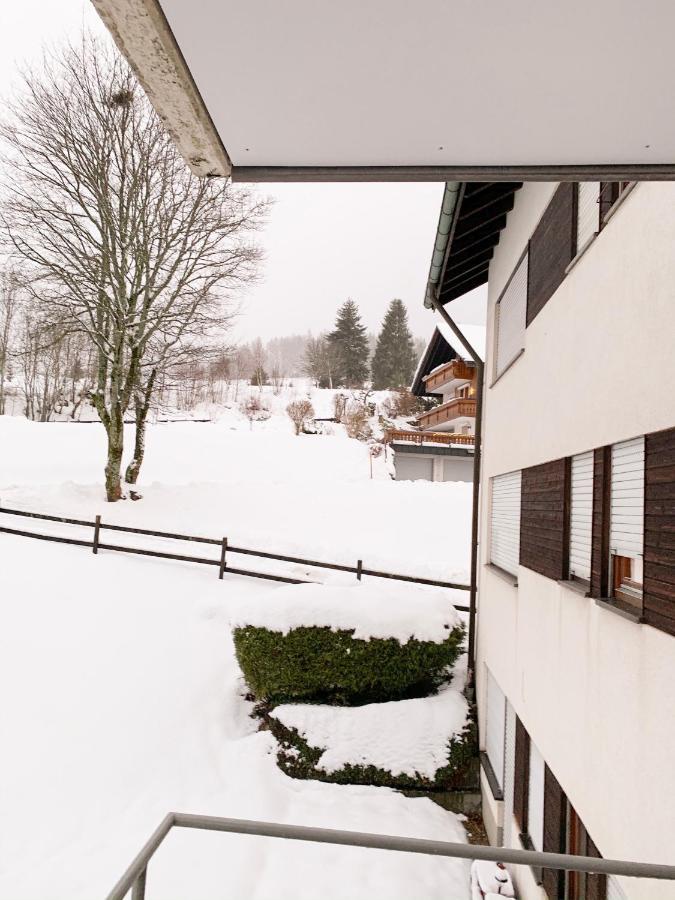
121,698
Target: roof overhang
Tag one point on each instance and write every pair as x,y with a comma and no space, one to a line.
393,90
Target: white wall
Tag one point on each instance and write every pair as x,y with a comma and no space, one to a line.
595,691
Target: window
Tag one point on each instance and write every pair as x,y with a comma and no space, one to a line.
495,728
505,522
462,391
581,516
510,318
626,532
588,212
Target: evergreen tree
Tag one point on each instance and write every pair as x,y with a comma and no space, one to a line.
349,342
394,358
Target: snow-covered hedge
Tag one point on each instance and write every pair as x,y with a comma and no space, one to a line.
423,743
348,645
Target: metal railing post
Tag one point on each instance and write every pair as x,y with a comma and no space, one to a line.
97,529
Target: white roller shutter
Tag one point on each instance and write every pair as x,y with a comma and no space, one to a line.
535,798
495,727
628,498
510,324
509,773
581,515
588,212
505,522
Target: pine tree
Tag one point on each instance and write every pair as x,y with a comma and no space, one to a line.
394,358
350,345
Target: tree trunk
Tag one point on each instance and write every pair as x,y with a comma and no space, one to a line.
142,405
113,468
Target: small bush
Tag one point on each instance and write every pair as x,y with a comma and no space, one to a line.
298,759
356,421
322,665
300,412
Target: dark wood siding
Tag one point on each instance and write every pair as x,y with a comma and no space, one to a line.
552,247
553,880
521,775
596,885
659,571
602,462
544,519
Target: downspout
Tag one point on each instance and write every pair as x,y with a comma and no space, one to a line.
446,226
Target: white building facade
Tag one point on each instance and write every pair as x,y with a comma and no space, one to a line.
575,661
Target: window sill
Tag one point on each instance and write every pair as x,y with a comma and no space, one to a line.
578,587
502,573
506,369
497,792
620,609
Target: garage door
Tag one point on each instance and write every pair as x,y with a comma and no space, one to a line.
413,468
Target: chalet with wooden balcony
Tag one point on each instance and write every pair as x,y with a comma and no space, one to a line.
440,446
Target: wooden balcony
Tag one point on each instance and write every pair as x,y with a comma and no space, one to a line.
458,408
456,370
446,438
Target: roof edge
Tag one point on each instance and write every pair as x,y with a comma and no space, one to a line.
144,37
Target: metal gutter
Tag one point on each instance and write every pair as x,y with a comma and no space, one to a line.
308,173
447,220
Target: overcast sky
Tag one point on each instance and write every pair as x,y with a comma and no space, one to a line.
323,243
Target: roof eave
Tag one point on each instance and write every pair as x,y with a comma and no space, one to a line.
143,36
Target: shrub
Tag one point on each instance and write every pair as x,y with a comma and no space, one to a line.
321,664
300,412
356,422
298,759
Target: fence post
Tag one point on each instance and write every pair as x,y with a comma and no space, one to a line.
97,528
359,569
223,551
138,890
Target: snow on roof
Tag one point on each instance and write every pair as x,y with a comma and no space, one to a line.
475,335
402,612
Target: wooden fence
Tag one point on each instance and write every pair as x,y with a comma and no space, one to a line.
221,562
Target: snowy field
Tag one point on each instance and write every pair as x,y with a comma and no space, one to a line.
121,696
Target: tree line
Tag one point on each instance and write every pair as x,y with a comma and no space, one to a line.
342,357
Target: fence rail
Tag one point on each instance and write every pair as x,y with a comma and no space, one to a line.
134,879
226,548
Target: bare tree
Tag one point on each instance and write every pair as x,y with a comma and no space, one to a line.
125,244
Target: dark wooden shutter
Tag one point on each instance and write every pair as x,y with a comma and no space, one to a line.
544,519
521,775
659,547
596,885
602,462
552,247
553,880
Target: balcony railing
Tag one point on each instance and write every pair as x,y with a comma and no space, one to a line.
459,407
447,438
457,369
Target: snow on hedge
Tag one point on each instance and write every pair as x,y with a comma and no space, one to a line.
388,610
404,737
